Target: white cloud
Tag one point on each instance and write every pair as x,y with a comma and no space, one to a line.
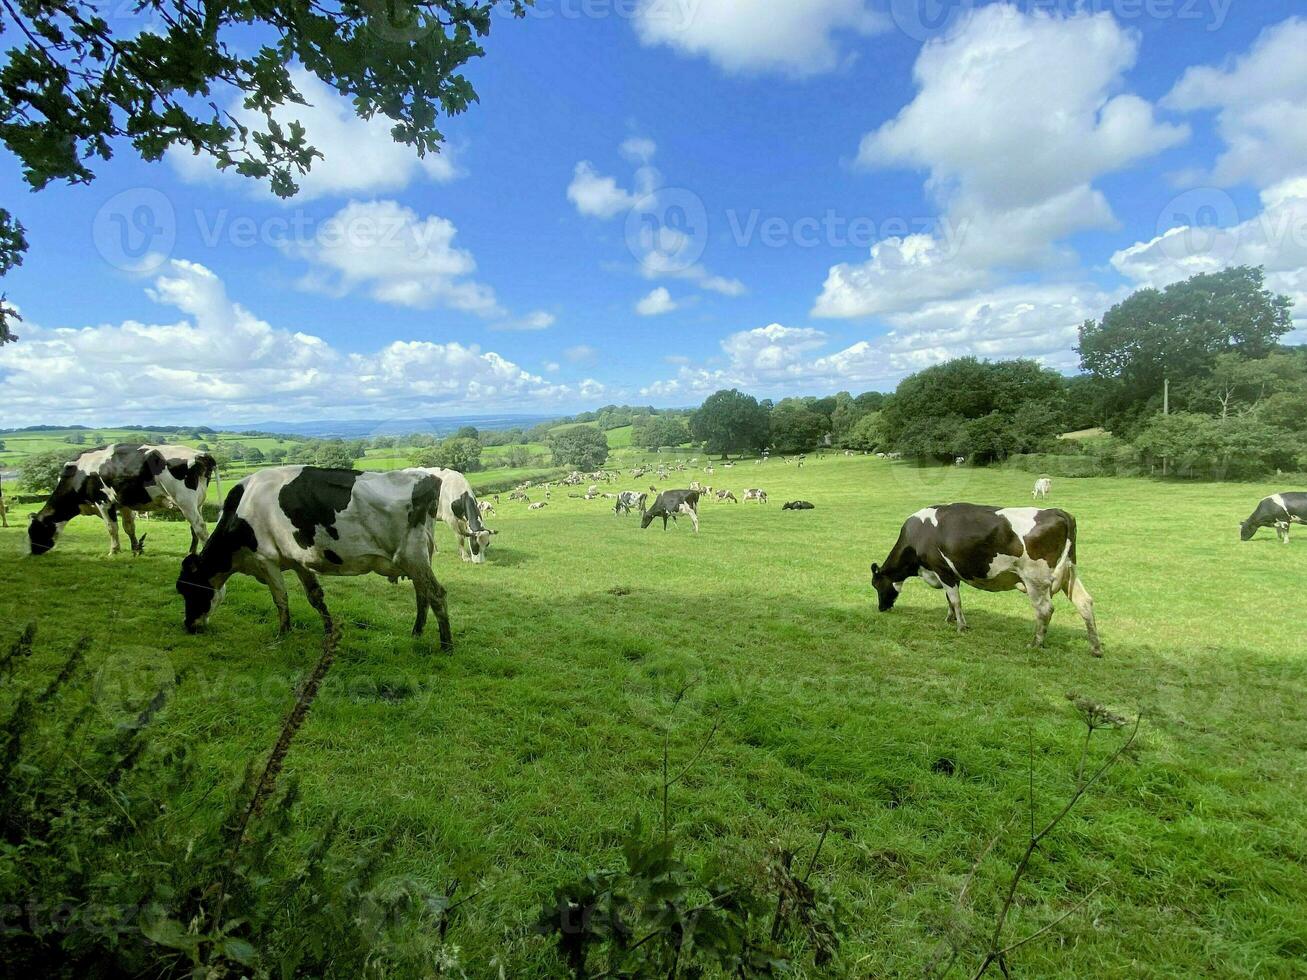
358,155
553,367
597,195
1015,116
657,302
535,320
221,362
1275,239
397,257
581,354
796,37
1260,100
638,149
1039,321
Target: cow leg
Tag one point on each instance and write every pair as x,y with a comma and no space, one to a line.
129,525
1084,604
110,516
1282,531
694,517
1040,599
317,598
954,595
270,575
431,593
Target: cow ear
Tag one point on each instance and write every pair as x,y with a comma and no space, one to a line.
874,568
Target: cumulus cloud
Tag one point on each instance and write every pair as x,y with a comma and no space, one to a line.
358,155
219,361
1038,322
1260,100
661,250
1015,116
399,258
797,37
657,302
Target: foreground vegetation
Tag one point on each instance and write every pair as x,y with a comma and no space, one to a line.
522,762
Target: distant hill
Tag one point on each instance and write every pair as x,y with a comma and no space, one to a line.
361,428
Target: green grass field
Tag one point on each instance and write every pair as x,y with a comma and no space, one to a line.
519,761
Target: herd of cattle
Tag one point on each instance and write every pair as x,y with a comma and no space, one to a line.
315,521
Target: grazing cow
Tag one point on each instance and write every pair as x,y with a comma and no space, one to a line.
628,499
487,508
462,514
1043,487
672,502
1279,510
124,479
991,548
538,505
756,494
309,520
725,495
797,505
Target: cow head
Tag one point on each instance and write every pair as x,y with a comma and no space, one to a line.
478,543
887,590
1246,530
200,597
41,533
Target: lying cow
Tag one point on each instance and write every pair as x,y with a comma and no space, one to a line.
756,494
538,505
311,520
1043,487
628,500
124,479
1279,510
797,505
672,502
462,514
991,548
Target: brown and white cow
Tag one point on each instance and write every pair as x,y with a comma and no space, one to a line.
123,479
992,548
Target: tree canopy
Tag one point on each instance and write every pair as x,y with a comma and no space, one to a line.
1177,333
74,87
731,422
581,446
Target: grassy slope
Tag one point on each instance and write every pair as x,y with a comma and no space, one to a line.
519,760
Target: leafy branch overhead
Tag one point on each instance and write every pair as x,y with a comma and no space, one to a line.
74,85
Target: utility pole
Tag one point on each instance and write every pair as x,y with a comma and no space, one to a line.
1166,410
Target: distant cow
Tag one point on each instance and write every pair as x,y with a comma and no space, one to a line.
462,514
672,502
756,494
123,479
538,505
487,508
797,505
991,548
1279,510
311,520
725,495
628,500
1043,487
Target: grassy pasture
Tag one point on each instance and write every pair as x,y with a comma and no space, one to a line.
518,761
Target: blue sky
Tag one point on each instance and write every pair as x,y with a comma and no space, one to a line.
658,198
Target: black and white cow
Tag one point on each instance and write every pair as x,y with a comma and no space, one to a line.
669,503
124,479
629,500
462,514
1279,510
311,521
992,548
796,505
